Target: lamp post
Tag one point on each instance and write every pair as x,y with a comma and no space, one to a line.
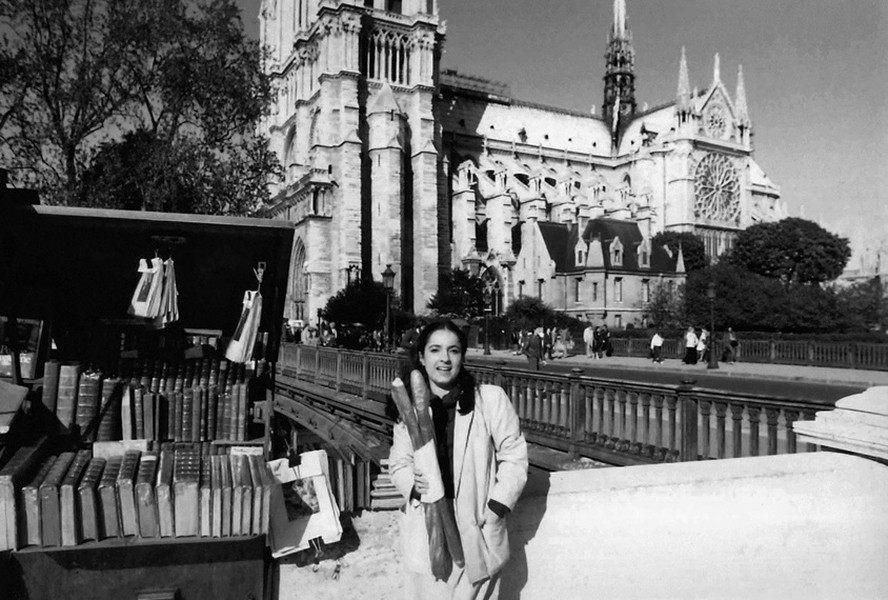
487,299
388,281
710,293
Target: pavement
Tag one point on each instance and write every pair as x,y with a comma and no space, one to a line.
833,375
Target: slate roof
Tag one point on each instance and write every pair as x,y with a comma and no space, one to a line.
561,239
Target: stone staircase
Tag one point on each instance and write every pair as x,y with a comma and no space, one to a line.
384,495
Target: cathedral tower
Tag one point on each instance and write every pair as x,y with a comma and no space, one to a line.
354,127
619,76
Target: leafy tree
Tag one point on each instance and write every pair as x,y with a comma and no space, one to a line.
863,305
361,301
529,312
181,78
692,247
792,250
461,295
666,306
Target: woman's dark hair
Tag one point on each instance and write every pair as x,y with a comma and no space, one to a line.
465,383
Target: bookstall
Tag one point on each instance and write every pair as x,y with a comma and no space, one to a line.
134,347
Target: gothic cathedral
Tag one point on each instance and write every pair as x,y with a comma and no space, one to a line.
391,161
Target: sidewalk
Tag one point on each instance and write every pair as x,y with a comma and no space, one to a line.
831,375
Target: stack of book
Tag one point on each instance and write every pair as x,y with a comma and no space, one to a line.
180,491
201,399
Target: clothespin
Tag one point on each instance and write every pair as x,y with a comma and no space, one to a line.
259,272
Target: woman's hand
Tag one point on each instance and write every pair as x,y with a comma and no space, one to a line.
420,483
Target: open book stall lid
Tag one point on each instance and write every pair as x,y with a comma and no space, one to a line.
87,260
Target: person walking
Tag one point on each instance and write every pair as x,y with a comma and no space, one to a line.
657,347
533,348
703,345
589,339
482,459
690,357
732,346
604,342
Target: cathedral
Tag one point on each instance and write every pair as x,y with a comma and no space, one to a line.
392,162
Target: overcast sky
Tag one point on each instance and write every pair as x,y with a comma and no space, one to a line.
816,76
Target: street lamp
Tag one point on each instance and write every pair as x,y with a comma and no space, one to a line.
388,281
487,296
710,293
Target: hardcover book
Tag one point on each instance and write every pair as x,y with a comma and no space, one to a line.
19,469
108,498
70,517
146,500
225,472
109,411
216,501
206,497
29,509
50,505
51,384
126,413
163,491
186,478
88,392
66,399
126,481
88,501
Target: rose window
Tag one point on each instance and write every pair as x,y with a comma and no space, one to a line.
717,190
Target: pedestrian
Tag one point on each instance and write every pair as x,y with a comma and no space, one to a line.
604,346
703,345
589,339
732,346
559,350
657,347
690,357
482,459
533,348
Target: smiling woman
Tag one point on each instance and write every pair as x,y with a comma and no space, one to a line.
482,458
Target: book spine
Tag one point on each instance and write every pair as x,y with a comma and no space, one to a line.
163,492
178,403
187,414
146,500
242,412
88,393
14,473
50,509
87,494
51,385
29,515
129,517
206,497
222,416
66,400
196,414
126,413
110,508
148,409
109,415
139,412
70,521
186,478
212,407
216,509
225,472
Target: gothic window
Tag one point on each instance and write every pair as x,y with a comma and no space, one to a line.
645,290
540,288
644,257
717,189
715,121
616,250
577,283
618,289
595,291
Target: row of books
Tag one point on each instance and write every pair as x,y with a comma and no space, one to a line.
76,497
192,401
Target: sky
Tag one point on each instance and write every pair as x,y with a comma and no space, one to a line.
816,75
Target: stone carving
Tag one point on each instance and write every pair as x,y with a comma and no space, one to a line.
717,189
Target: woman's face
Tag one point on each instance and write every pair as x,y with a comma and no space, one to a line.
442,359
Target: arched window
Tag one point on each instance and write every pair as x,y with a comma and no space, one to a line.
298,281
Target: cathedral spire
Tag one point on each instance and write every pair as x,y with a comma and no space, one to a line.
740,98
619,78
683,95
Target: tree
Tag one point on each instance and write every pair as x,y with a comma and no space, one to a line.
666,306
792,250
692,247
864,305
361,301
462,295
181,78
529,312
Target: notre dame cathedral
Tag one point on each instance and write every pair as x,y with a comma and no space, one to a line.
390,160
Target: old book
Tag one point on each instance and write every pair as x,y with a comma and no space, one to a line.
237,424
69,515
50,385
161,416
139,412
186,478
88,500
254,462
176,431
66,399
206,497
29,507
196,413
50,506
109,410
247,497
126,413
146,500
240,481
163,491
118,447
216,499
108,498
187,414
222,416
225,472
148,402
88,392
126,482
146,372
19,469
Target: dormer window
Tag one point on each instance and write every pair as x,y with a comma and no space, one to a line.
616,252
644,255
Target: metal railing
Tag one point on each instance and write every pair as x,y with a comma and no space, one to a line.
620,422
851,355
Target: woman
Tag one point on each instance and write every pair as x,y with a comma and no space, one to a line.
690,357
483,461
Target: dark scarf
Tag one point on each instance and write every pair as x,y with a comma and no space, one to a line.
443,417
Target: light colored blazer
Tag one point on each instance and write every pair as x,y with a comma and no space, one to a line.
489,462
